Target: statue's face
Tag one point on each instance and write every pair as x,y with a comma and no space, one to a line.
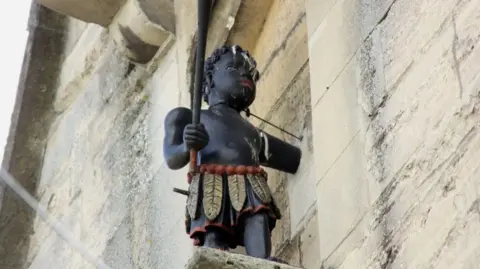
232,80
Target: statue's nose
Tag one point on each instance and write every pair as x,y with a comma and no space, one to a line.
243,71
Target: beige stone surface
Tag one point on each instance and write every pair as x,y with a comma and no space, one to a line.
332,135
95,11
79,63
283,98
310,244
98,174
249,23
160,12
316,12
103,172
281,52
137,35
140,27
342,197
292,112
412,97
31,117
102,179
389,175
337,38
283,19
204,258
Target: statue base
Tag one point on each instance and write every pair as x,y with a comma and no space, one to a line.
208,258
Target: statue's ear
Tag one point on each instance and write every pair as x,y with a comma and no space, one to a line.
209,78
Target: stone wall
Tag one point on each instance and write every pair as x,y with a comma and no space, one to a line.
100,166
89,148
284,99
395,90
29,128
385,95
103,173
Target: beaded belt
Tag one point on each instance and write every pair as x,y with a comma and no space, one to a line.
218,169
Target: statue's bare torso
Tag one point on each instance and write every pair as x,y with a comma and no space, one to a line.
236,141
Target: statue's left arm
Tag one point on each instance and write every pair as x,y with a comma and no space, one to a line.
278,154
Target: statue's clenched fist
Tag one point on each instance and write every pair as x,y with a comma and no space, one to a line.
195,136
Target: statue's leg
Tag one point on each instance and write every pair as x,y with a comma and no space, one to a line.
256,236
216,238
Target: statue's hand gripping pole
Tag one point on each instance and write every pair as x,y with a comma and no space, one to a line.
202,32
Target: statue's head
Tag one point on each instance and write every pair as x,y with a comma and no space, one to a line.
230,78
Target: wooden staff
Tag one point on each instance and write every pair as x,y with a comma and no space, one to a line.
202,32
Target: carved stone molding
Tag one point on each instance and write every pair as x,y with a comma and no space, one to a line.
137,35
99,12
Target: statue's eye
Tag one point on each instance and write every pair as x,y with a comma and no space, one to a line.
231,68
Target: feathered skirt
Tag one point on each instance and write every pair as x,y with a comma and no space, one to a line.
218,200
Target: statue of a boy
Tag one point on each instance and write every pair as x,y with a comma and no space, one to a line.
229,201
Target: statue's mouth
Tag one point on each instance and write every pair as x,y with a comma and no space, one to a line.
247,83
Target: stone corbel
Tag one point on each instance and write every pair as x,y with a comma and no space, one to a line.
207,258
100,12
137,30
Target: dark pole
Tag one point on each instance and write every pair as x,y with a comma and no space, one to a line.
202,32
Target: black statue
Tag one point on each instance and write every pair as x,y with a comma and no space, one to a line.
229,202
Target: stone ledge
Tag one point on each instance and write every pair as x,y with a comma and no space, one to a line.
206,258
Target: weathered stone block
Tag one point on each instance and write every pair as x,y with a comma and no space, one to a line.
249,23
205,258
137,36
283,19
30,120
96,11
282,232
338,37
310,244
342,197
290,252
420,143
292,112
316,12
412,93
160,12
223,18
278,67
333,134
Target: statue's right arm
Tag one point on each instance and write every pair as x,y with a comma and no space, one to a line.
174,149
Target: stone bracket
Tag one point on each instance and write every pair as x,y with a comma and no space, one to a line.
139,27
100,12
207,258
137,36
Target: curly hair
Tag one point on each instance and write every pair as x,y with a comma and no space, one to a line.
215,57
